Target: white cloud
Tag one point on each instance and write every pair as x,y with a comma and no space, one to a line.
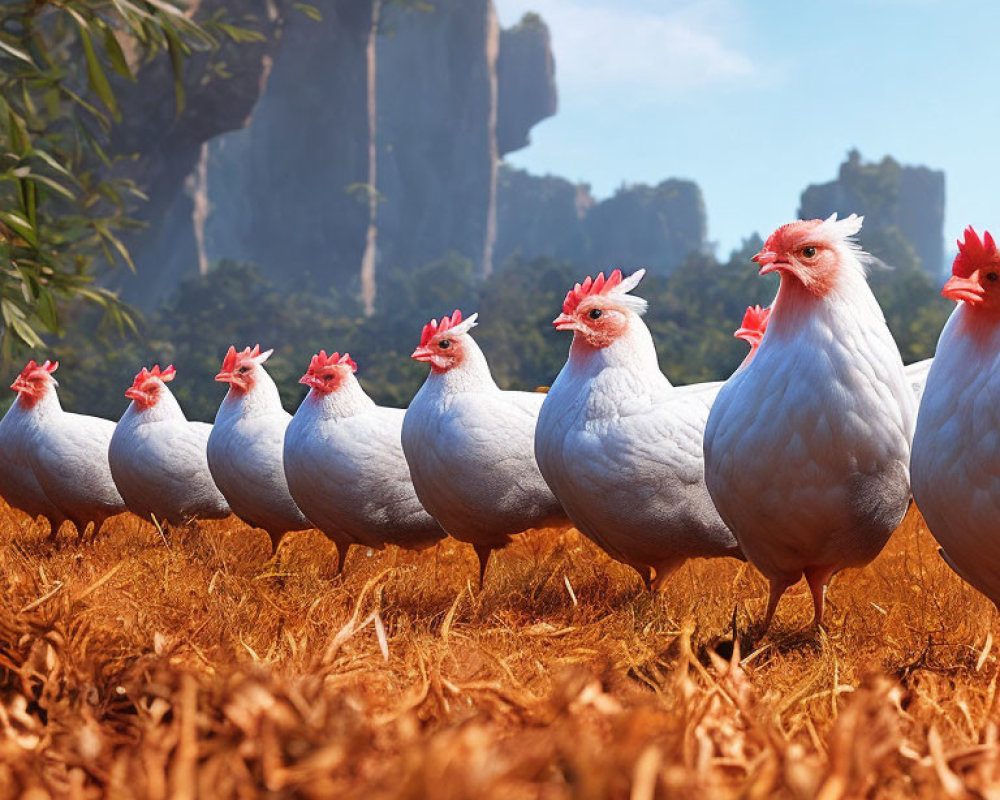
664,47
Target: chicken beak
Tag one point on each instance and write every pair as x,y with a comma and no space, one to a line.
768,261
564,322
422,354
20,386
772,266
132,393
224,377
964,289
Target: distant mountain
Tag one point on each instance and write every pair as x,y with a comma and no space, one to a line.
639,226
903,208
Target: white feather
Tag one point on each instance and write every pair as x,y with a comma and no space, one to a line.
637,305
465,325
842,229
840,233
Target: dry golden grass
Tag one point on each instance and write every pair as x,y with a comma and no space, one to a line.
135,667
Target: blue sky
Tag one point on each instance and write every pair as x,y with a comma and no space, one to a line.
755,99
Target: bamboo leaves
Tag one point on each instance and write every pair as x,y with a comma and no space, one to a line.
61,209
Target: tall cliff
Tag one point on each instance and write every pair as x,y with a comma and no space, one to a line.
373,143
903,208
526,81
287,191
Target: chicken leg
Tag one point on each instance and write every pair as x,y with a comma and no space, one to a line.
777,588
664,571
818,578
483,551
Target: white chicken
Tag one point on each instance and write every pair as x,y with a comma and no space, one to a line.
345,466
18,484
621,447
158,458
68,453
246,444
956,448
807,446
469,445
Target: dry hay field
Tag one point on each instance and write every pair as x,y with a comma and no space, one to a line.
141,667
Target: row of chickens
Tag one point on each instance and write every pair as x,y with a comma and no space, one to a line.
800,462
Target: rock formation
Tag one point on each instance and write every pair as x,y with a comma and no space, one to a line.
648,226
288,191
526,81
639,226
374,142
541,216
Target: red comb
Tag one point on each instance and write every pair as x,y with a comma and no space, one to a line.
973,253
32,366
321,360
590,287
234,359
755,318
145,374
229,362
434,327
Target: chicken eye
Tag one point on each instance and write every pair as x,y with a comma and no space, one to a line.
327,377
991,276
444,344
243,369
808,252
595,313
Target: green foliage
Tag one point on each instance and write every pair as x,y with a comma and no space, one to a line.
309,10
692,316
875,184
694,312
61,208
517,306
913,307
